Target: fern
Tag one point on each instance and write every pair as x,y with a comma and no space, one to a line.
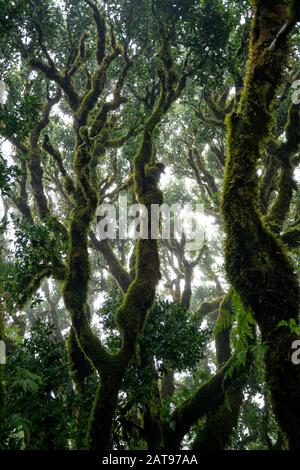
293,326
243,329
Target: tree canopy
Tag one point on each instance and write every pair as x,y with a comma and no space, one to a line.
132,343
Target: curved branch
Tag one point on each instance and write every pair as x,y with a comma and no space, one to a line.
115,267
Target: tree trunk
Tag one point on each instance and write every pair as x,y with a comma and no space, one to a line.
256,263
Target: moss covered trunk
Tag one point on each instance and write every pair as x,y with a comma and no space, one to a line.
132,314
256,263
220,424
2,402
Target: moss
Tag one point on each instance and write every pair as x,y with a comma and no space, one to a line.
116,269
167,386
187,289
153,429
280,208
57,157
100,22
99,432
293,130
31,286
291,237
36,172
2,390
216,433
222,330
75,293
98,81
80,365
206,400
256,263
286,184
132,314
208,306
221,421
268,182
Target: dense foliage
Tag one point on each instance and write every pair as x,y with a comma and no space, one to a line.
148,344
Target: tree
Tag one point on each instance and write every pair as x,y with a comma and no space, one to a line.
256,262
124,344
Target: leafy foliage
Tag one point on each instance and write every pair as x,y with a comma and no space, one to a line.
38,378
172,334
114,73
9,175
